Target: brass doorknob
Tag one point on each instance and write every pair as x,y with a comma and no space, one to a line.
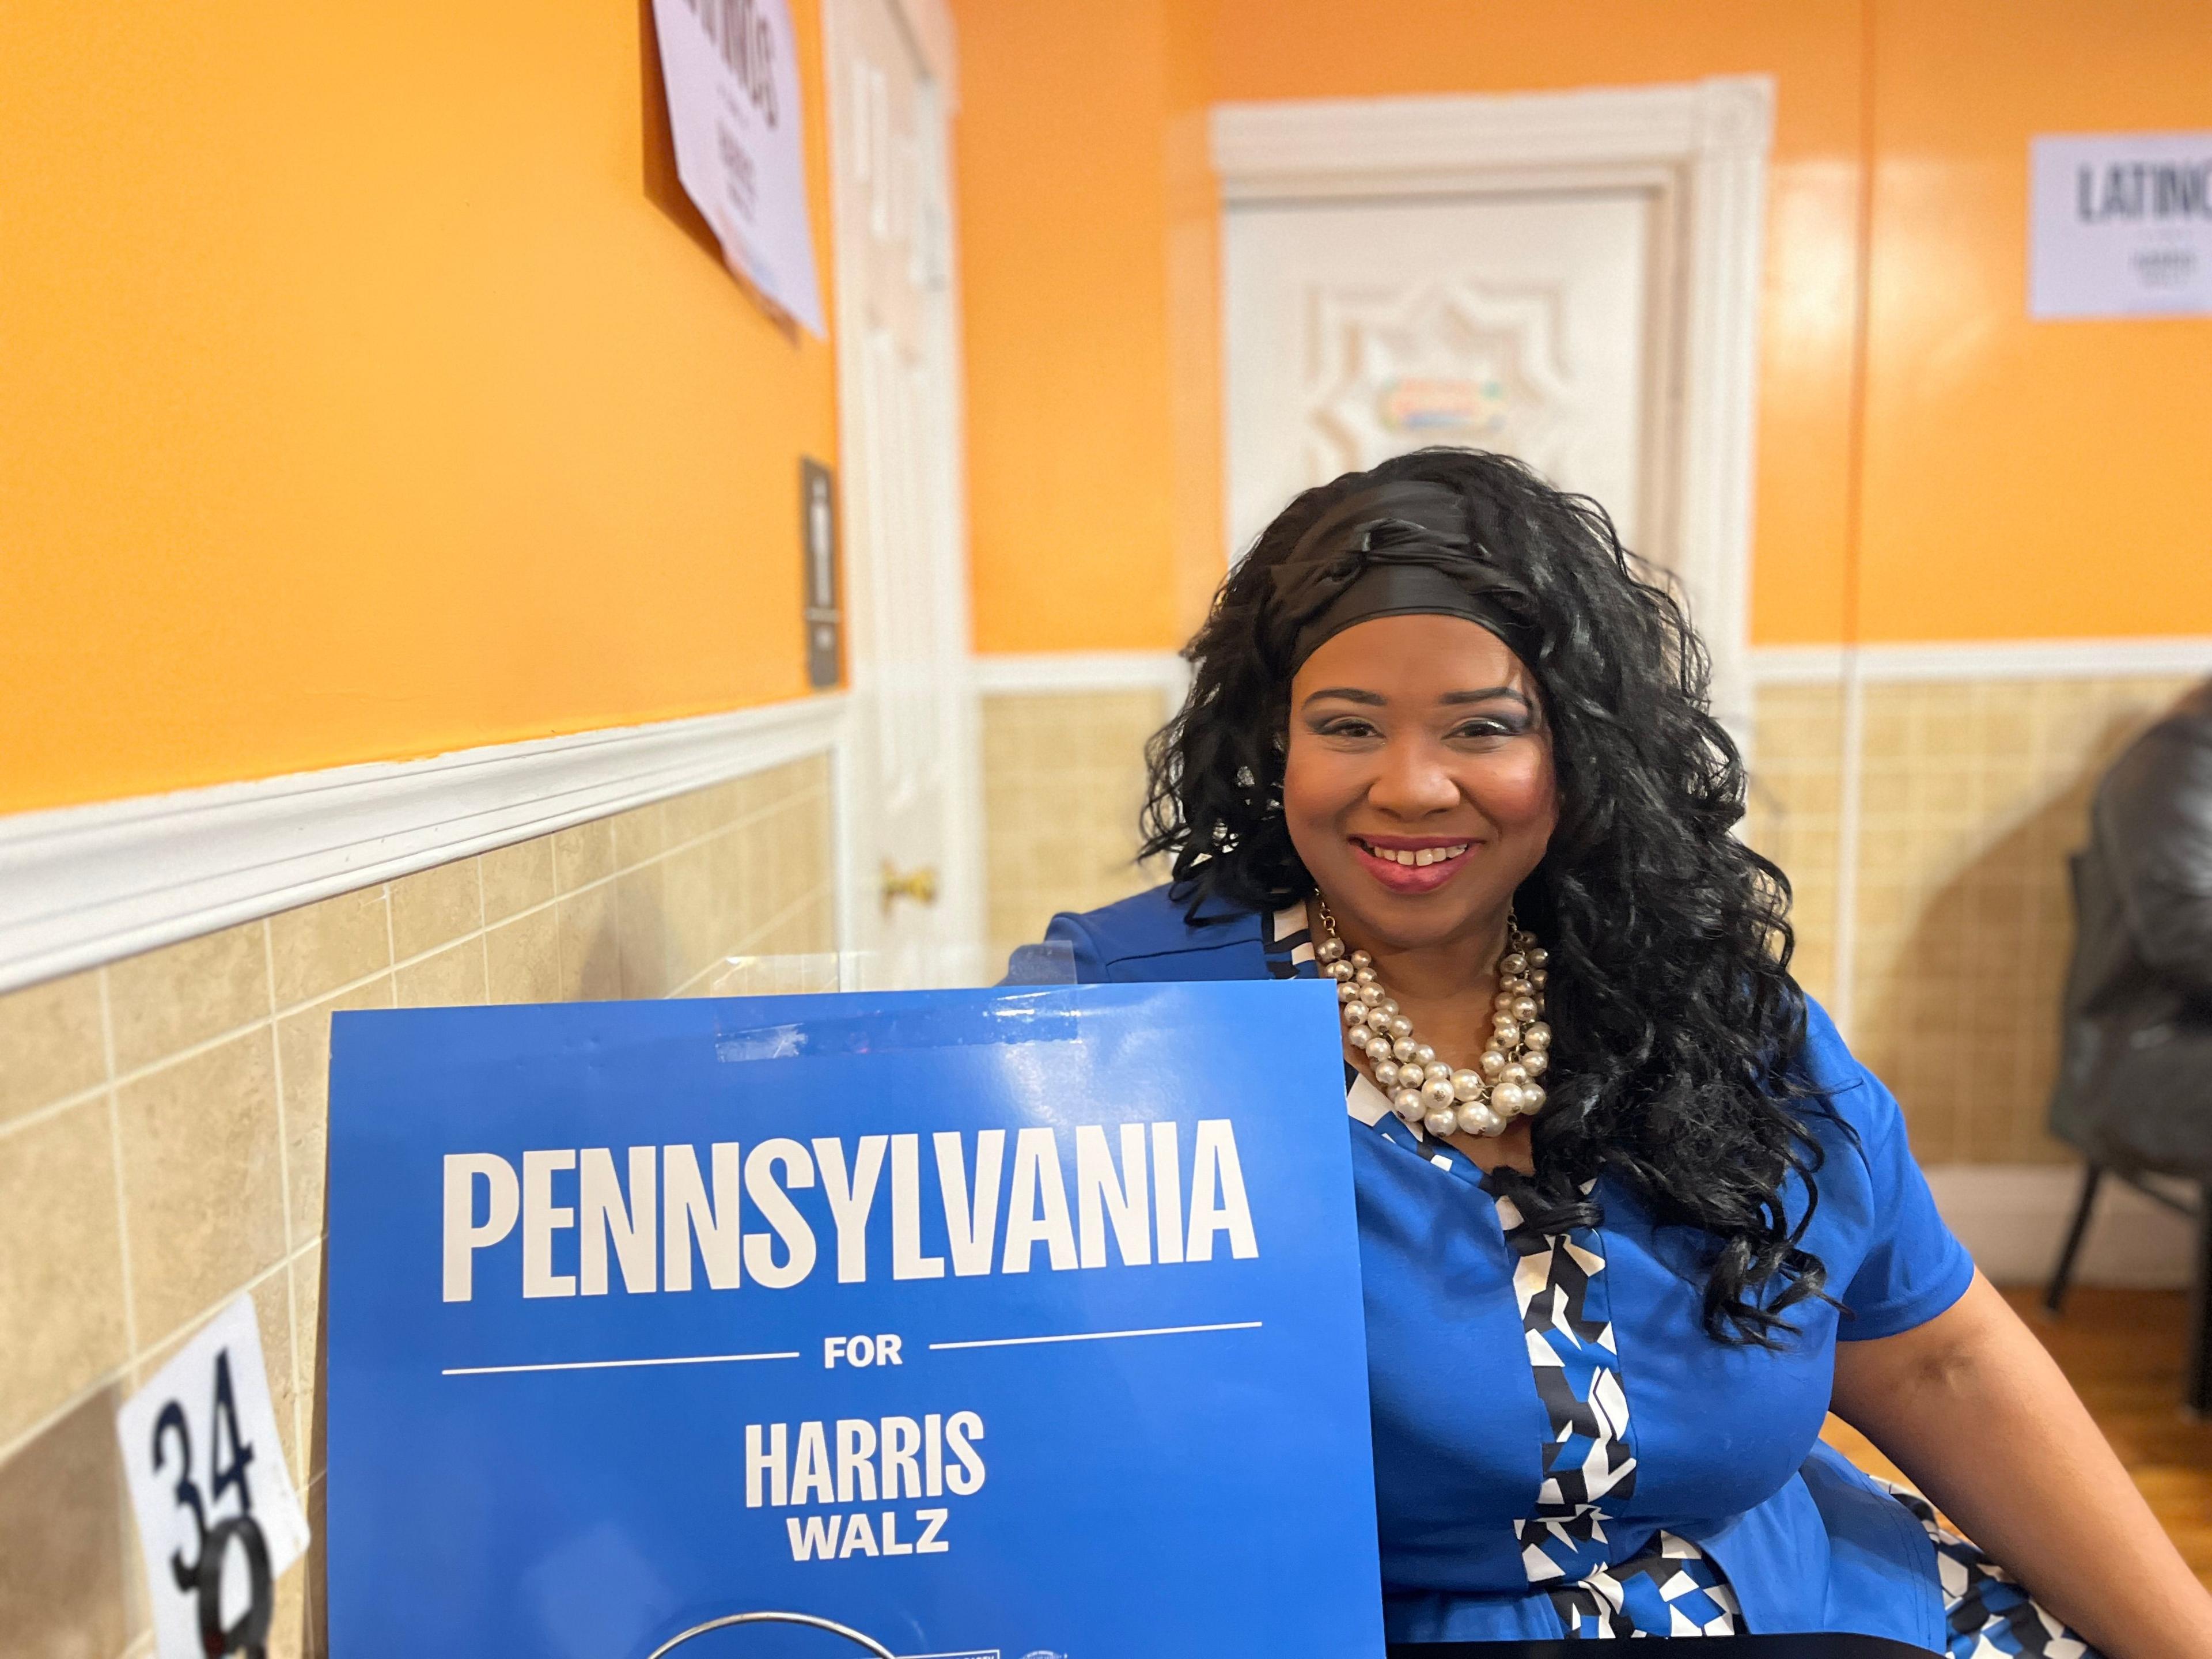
920,885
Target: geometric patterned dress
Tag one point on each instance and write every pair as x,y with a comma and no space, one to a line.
1670,1587
1987,1612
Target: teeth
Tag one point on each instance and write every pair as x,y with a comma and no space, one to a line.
1418,859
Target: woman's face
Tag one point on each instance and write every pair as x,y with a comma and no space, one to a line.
1417,782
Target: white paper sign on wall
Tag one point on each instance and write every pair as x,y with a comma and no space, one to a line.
731,67
2121,225
218,1515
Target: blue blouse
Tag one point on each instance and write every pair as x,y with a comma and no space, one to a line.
1547,1411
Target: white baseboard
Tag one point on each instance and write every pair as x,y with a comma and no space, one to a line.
88,884
1028,673
1016,673
2013,1217
2002,660
1020,672
84,885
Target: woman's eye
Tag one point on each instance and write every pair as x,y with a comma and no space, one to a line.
1347,728
1485,728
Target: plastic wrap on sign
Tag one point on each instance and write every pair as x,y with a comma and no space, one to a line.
975,1322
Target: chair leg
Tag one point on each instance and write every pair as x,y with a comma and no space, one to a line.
2092,1175
2198,1396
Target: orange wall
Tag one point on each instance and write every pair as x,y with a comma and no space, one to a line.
1060,190
2023,479
1957,385
357,402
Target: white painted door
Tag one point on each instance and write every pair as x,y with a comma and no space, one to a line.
908,812
1358,329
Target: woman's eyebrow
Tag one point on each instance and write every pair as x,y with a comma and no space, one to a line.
1486,695
1348,694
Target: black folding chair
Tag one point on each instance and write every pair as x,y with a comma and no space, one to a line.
2196,1390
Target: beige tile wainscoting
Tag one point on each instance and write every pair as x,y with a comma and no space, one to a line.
1797,789
1970,795
1063,777
161,1135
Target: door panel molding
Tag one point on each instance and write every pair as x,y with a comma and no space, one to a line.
929,26
1708,141
1257,145
911,778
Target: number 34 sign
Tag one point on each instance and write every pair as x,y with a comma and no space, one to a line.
218,1515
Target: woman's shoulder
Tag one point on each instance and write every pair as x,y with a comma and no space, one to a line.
1890,1257
1151,936
1858,1099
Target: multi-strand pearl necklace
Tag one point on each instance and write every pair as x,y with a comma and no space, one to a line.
1423,1088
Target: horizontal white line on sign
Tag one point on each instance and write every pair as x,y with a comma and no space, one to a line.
611,1365
1093,1336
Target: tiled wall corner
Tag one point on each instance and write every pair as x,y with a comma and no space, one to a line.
1796,794
162,1138
1063,776
1972,795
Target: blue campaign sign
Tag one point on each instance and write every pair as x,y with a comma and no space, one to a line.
977,1323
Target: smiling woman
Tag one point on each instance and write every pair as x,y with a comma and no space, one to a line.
1446,649
1415,739
1418,792
1447,745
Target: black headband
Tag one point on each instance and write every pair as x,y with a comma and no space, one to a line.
1400,549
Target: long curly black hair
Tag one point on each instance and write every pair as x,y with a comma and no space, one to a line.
1678,1062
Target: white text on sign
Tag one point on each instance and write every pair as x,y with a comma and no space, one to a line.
861,1352
663,1209
875,1460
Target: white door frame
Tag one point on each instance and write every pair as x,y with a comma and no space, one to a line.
929,31
1704,145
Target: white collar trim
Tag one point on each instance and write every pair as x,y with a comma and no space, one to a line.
1287,923
1368,1104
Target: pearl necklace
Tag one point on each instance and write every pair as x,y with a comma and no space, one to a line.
1423,1088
